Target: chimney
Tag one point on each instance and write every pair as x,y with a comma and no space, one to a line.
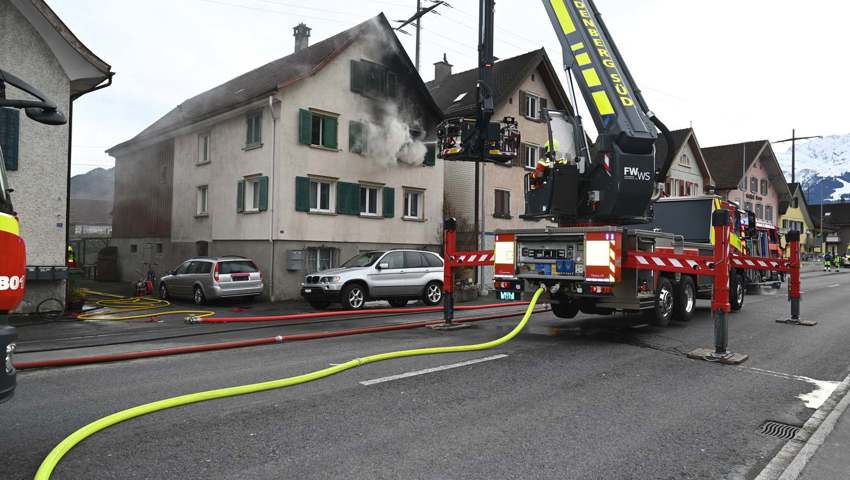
301,33
442,70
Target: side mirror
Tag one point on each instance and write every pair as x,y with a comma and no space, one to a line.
173,272
382,266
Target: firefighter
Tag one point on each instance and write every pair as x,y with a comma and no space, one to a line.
544,166
827,262
72,259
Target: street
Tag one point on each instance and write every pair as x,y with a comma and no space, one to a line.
610,402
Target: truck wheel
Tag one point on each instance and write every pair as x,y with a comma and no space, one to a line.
565,309
736,292
661,314
684,300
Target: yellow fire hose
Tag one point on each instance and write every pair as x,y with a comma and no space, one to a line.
120,306
55,455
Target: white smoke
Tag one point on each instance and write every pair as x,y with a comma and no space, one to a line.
389,139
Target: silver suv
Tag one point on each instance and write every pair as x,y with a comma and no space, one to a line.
395,275
208,278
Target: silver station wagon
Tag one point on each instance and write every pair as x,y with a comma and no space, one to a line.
394,275
209,278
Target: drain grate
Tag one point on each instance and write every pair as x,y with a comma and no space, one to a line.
778,429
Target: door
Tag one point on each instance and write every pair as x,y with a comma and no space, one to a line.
387,278
177,285
415,272
194,275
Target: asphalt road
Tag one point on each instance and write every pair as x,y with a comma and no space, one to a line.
612,401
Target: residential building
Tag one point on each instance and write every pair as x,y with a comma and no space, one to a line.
797,218
836,227
41,50
527,84
749,174
298,164
688,175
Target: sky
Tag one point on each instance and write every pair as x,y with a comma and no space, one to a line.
734,70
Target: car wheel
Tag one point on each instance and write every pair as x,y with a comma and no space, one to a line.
353,296
163,291
736,292
433,294
198,296
319,305
565,309
398,302
661,314
684,300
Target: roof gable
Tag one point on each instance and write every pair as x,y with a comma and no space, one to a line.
725,164
680,138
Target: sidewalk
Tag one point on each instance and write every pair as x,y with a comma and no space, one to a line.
832,459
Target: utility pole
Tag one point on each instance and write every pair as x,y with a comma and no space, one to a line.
416,17
793,141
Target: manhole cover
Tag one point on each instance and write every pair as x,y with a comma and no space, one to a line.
778,429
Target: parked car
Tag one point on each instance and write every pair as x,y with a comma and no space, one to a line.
394,275
209,278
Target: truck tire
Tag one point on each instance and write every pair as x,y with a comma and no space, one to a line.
565,309
661,314
684,299
736,292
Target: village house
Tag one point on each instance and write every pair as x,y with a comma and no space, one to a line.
527,84
797,218
298,164
688,175
834,236
42,51
749,174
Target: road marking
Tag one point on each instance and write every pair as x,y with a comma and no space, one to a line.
431,370
833,285
815,398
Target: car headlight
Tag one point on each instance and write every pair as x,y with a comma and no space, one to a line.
334,279
10,367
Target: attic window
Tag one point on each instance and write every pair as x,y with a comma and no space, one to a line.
459,97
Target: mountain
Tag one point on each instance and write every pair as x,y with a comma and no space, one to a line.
823,168
97,184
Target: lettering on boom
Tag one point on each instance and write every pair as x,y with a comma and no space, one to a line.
604,54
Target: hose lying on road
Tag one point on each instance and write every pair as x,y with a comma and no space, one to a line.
299,337
119,306
339,313
49,464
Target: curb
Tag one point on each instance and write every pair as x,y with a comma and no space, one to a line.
790,461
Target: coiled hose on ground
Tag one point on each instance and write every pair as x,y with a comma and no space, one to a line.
55,455
120,306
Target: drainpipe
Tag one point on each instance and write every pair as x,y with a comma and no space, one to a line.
273,103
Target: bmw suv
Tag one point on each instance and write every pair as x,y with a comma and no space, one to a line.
208,278
394,275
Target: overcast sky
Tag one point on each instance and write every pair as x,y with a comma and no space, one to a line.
737,70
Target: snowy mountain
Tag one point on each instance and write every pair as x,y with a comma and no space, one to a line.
823,168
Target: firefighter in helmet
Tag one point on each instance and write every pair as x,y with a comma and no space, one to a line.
544,166
827,262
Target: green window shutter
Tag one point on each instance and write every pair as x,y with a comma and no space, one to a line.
302,194
240,196
305,126
430,156
9,132
264,194
347,198
389,202
356,137
358,76
329,128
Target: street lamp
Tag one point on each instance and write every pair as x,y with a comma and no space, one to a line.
793,141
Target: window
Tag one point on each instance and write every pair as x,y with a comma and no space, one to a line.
668,187
743,184
10,127
414,260
681,187
253,130
785,223
320,195
531,152
503,204
357,137
684,161
433,260
748,206
252,194
532,106
768,213
754,184
413,204
203,148
134,248
372,79
318,129
201,200
759,211
321,258
393,260
158,248
764,187
368,200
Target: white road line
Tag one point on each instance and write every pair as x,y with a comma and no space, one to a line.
431,370
814,399
833,285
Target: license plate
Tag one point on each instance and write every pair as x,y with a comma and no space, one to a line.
508,295
308,290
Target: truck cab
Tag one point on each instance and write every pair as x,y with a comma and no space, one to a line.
12,268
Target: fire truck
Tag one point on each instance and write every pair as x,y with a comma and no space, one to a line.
616,245
12,248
